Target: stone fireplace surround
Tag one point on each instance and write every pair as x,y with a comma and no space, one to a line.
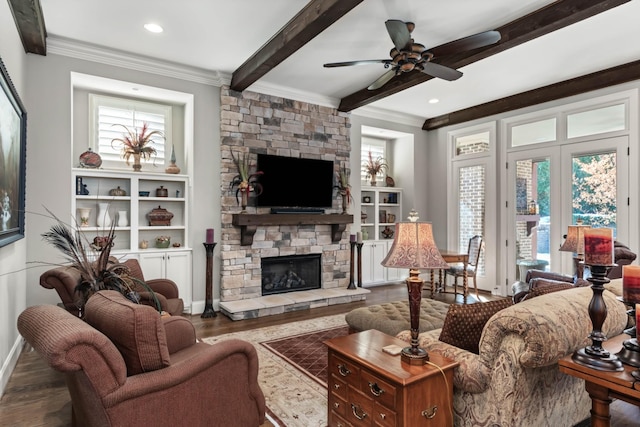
256,123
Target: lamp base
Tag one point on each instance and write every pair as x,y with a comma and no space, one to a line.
601,362
414,356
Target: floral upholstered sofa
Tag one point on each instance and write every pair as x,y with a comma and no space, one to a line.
514,379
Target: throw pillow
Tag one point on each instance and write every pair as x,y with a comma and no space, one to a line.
135,329
463,324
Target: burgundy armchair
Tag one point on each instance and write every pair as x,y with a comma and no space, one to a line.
65,279
127,366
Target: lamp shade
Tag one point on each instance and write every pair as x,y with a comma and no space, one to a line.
414,248
575,239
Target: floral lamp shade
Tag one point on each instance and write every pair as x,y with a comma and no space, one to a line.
414,248
575,239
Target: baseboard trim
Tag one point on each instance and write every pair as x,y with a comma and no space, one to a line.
10,363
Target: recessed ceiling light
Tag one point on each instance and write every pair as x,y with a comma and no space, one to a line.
153,28
434,101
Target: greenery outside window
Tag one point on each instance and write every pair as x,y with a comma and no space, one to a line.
105,112
378,148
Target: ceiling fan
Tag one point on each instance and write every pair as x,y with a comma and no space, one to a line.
408,56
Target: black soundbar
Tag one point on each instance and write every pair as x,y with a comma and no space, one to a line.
297,210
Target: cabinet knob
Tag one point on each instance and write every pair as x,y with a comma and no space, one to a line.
430,412
336,405
336,386
343,370
358,412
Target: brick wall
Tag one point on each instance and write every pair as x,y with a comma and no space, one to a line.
256,123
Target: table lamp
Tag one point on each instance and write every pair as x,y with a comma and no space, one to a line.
575,243
413,248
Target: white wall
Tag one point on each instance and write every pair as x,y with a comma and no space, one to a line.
12,257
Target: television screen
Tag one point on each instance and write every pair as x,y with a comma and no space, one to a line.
295,182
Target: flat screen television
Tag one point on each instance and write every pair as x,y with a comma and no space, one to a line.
290,182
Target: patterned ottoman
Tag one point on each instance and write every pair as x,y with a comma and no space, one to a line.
393,317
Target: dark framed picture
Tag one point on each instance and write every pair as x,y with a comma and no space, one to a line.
13,152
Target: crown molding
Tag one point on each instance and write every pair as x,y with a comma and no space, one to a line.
389,116
94,53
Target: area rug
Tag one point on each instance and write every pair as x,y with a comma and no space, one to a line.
296,397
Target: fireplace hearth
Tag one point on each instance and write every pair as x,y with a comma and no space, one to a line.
291,273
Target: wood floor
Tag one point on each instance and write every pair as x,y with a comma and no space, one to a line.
36,395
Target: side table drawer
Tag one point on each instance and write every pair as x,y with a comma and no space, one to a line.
384,416
337,386
378,389
360,409
337,404
343,368
336,420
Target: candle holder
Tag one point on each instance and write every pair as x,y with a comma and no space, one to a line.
632,314
359,246
352,284
594,356
208,305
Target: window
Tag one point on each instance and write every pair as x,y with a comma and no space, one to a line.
597,121
378,149
109,111
534,132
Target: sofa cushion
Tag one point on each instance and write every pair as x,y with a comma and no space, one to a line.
464,323
135,329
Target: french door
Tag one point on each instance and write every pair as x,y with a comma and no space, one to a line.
551,188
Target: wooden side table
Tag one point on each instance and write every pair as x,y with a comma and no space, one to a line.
368,387
603,386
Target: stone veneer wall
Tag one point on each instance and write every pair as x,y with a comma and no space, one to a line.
256,123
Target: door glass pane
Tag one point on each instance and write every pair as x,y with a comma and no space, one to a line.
471,207
532,216
607,119
594,190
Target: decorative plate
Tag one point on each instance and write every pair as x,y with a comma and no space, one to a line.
90,159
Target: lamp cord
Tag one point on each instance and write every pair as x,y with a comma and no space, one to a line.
444,376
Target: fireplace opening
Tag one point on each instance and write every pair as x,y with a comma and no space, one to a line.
291,273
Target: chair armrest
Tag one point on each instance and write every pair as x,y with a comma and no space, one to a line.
147,298
180,333
166,287
534,274
473,375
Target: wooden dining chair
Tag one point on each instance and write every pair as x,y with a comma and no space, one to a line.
456,270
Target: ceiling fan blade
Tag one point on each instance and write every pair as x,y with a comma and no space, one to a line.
467,43
440,71
362,62
398,32
382,80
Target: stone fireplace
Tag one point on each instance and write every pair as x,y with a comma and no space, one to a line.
291,273
253,123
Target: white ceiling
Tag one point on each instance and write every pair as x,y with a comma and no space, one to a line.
220,35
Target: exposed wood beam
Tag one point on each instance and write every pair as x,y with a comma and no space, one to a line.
598,80
543,21
314,18
30,23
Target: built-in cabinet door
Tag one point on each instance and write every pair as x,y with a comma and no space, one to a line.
172,265
373,252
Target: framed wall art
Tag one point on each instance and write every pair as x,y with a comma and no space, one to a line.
13,152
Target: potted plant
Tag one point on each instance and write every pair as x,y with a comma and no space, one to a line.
245,181
374,167
343,187
137,145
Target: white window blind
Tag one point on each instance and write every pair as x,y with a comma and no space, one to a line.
377,147
108,112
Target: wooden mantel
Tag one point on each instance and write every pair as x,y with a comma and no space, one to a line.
249,223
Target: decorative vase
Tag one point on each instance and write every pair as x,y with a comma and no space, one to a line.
172,167
345,204
244,199
84,216
136,163
373,181
365,234
122,219
103,219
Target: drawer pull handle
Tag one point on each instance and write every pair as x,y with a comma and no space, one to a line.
430,412
375,389
343,370
358,412
336,386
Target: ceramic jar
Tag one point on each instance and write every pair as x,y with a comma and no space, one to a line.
117,192
159,216
162,192
103,219
122,219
